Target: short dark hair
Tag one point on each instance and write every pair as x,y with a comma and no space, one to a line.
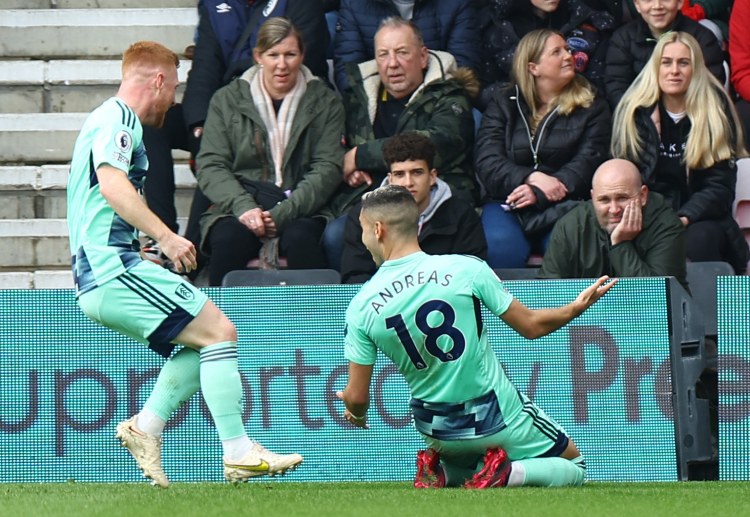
393,205
409,146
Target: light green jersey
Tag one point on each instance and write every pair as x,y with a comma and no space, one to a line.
424,313
103,245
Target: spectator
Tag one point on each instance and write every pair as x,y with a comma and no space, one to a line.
226,35
270,159
446,224
631,45
405,88
505,22
696,170
739,57
447,25
537,148
624,230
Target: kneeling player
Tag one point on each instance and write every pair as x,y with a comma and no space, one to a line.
480,430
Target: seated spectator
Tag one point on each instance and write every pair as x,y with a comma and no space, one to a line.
505,22
739,57
405,88
223,50
270,159
537,148
679,126
446,224
631,45
447,25
624,230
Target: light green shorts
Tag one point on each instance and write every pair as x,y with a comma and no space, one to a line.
147,303
531,434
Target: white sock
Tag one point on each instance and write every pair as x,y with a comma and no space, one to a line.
150,423
517,474
236,448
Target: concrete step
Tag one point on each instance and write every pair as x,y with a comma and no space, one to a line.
43,138
39,192
92,32
62,86
32,244
41,279
93,4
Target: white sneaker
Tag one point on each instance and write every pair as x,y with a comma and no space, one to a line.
259,461
146,450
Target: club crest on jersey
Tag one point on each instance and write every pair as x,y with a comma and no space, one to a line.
123,141
183,292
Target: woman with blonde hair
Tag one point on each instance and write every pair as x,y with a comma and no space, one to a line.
694,170
538,146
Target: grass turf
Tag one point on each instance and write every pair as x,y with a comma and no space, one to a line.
365,499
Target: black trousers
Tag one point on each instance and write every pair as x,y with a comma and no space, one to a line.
160,184
232,245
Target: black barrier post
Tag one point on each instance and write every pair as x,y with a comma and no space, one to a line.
688,361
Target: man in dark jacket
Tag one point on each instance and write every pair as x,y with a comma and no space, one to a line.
448,25
446,223
406,88
223,51
623,231
631,45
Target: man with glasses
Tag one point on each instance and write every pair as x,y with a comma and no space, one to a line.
624,230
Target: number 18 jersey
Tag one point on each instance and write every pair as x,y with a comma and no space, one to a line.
424,312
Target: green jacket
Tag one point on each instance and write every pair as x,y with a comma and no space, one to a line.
235,145
580,248
439,109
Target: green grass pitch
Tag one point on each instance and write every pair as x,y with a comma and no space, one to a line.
267,498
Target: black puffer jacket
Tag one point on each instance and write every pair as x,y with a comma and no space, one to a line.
570,148
631,45
505,22
700,194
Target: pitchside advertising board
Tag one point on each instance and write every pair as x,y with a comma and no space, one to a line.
65,382
733,294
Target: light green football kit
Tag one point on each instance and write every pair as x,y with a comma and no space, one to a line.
108,270
424,313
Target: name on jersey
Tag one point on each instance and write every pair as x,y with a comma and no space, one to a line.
407,282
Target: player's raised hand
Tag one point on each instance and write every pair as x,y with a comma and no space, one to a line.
180,251
592,293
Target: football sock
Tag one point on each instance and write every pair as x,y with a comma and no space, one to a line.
222,388
548,472
236,448
178,380
150,423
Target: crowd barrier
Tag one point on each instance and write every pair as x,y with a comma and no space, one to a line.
619,378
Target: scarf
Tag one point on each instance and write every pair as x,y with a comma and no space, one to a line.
279,127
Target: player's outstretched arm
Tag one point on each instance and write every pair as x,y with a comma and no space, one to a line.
535,323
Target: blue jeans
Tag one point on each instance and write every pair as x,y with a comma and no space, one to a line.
333,241
507,244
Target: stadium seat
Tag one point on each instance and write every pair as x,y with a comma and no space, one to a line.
701,277
742,197
521,273
271,277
